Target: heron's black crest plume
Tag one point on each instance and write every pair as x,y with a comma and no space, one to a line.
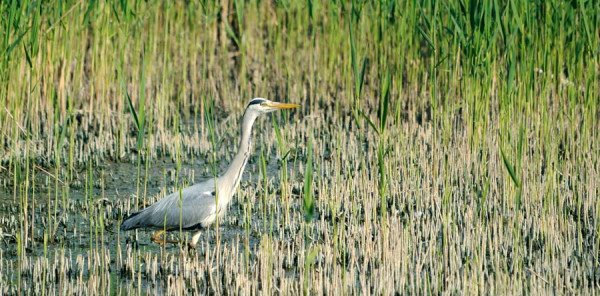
256,101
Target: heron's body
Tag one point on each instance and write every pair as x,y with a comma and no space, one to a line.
196,207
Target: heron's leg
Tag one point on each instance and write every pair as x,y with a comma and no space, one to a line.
195,239
156,238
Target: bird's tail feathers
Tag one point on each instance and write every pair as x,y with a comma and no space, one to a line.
130,222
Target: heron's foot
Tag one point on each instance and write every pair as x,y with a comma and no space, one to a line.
157,239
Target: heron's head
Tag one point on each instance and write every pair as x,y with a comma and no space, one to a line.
261,105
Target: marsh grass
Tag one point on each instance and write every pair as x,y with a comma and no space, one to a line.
441,147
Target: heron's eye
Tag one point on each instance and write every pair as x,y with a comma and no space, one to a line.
263,104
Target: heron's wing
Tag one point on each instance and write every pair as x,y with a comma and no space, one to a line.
189,207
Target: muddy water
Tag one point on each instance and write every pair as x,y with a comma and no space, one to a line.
83,216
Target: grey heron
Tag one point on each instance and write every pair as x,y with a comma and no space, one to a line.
196,207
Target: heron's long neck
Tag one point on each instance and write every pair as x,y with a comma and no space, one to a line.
233,175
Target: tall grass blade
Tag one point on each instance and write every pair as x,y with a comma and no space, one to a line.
308,204
136,120
510,169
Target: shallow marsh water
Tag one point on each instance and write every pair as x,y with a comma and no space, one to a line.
75,238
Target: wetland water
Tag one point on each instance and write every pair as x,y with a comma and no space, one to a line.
81,229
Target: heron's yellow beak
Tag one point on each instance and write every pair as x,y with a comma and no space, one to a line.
282,105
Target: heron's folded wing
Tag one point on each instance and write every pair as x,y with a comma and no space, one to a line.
183,208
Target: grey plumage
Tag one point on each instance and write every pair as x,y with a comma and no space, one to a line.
196,206
189,210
